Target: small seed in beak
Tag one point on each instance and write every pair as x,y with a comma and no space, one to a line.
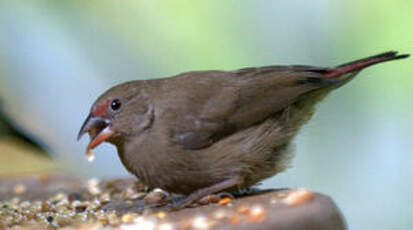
90,155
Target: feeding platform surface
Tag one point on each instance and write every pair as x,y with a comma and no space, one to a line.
51,202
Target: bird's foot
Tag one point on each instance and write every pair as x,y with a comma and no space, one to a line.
215,198
250,191
193,198
177,203
156,197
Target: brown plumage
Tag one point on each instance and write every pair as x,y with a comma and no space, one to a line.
203,132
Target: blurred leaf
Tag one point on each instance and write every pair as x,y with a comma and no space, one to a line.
18,156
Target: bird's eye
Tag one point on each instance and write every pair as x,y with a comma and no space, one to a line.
115,105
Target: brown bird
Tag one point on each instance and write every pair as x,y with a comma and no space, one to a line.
200,133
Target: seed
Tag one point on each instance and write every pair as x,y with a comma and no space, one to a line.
165,226
298,197
75,196
104,197
281,195
221,214
25,204
93,186
19,189
161,215
14,201
257,214
225,201
129,217
90,155
45,206
244,210
62,220
156,196
104,220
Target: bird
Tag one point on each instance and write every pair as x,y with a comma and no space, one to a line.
204,132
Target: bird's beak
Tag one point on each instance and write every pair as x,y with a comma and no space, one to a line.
99,130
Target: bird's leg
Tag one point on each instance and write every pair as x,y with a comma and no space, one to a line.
250,191
198,194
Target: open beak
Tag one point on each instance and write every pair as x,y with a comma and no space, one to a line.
99,130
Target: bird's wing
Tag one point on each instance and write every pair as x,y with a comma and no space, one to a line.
214,104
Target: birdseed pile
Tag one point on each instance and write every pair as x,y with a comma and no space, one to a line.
77,209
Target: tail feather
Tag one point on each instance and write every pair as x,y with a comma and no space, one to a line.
363,63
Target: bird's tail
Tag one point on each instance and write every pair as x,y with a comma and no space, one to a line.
358,65
328,79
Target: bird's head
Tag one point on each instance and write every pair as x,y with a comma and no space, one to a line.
120,113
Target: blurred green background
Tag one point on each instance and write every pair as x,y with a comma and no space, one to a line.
56,57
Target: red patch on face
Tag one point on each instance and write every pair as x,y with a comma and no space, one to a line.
101,110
